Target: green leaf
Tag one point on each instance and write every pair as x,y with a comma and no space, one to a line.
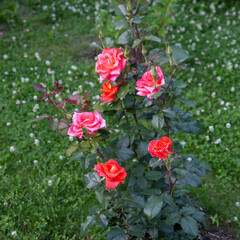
195,127
192,180
136,231
186,101
153,38
85,144
158,121
179,53
76,156
102,221
169,200
137,20
153,206
125,154
95,45
123,91
152,191
72,149
168,112
99,194
125,38
139,170
180,171
91,179
108,42
189,226
161,60
154,175
117,234
142,149
53,123
123,9
199,216
154,162
187,210
142,183
85,227
93,209
120,24
180,84
136,43
87,162
173,218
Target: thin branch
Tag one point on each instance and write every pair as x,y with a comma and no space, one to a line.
99,154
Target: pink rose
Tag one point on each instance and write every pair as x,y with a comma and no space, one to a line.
91,121
146,87
110,64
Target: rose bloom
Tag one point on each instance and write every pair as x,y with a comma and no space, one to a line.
112,172
108,91
110,64
145,86
160,148
91,121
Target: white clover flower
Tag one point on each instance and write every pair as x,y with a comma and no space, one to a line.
49,141
18,102
61,157
207,138
35,161
219,111
5,56
85,74
8,123
218,141
36,142
37,56
12,149
222,102
189,159
5,203
198,113
14,69
14,234
35,97
14,38
73,67
71,139
219,78
183,143
26,80
91,84
24,101
35,108
227,104
47,63
237,204
211,128
228,125
213,94
235,219
31,135
50,182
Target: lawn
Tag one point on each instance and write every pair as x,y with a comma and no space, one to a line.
42,195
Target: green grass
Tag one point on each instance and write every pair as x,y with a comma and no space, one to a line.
33,207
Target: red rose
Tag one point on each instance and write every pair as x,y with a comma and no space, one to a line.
110,64
112,172
160,148
108,91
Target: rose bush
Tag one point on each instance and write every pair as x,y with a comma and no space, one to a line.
153,202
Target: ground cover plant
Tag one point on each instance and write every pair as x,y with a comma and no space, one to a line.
41,193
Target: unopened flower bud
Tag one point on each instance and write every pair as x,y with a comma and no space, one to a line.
129,7
69,116
169,51
100,35
144,51
154,73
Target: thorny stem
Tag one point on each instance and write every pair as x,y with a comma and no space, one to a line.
99,154
172,72
167,124
171,193
139,130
